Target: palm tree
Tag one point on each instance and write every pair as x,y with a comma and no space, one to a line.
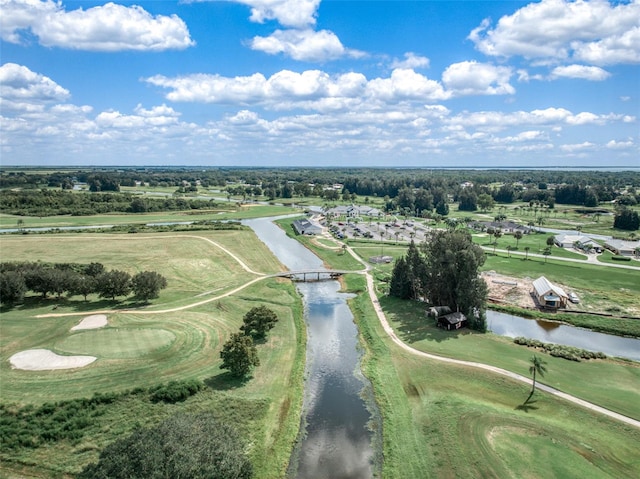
518,236
496,234
526,250
537,366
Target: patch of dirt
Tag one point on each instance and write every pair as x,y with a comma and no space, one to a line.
509,290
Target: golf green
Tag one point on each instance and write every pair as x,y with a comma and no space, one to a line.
117,343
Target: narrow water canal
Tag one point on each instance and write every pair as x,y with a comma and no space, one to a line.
339,416
553,332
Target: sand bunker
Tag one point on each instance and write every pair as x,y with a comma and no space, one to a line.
43,360
92,322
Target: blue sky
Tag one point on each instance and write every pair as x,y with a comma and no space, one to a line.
551,83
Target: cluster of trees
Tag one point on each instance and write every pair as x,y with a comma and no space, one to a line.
444,271
239,354
626,219
17,278
189,446
44,202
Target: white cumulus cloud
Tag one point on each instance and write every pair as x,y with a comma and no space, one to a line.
593,31
108,27
18,82
289,13
582,72
304,45
472,78
310,89
411,60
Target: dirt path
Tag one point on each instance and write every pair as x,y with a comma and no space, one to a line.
518,377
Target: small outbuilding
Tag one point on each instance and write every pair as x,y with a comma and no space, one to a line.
454,320
306,227
548,295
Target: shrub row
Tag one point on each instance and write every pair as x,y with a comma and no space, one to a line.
33,426
560,351
621,258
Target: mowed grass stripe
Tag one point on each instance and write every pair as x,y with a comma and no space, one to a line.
117,343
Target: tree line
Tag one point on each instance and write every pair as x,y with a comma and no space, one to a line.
18,278
43,202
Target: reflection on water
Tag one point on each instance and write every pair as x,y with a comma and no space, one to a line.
335,440
514,326
337,443
547,325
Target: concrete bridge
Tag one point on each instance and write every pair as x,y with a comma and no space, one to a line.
307,275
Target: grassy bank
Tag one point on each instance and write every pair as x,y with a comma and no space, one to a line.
139,350
452,421
608,383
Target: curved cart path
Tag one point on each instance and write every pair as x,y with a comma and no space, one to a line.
386,326
518,377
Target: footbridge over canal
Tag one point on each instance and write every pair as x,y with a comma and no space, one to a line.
307,275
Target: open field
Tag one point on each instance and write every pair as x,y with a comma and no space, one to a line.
144,348
452,421
225,212
193,264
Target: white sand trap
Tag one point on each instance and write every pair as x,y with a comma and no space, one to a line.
91,322
43,360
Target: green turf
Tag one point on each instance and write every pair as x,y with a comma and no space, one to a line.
142,349
116,343
452,421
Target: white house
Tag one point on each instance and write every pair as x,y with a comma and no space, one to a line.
549,295
570,240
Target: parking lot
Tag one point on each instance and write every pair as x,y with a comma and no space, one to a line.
394,230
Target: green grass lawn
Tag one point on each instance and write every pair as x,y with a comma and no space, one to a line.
452,421
612,384
139,350
223,212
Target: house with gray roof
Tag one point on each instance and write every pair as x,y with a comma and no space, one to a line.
354,211
572,240
304,226
622,247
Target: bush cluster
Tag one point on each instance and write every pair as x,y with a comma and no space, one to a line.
33,426
175,391
560,351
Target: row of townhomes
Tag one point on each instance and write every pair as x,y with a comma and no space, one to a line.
354,211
